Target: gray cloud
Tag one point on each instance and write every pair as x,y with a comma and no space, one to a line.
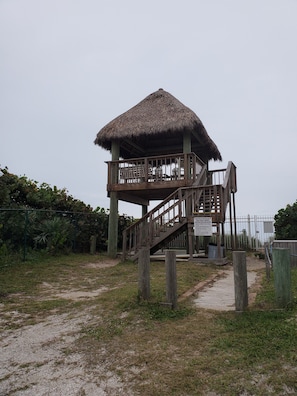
69,67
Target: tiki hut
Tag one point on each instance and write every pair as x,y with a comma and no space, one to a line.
159,150
157,125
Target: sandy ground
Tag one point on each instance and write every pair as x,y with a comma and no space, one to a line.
34,359
38,359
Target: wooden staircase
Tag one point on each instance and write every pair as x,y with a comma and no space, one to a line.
173,215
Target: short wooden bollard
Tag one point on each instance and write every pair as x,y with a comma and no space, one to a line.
282,276
240,281
171,282
93,240
144,274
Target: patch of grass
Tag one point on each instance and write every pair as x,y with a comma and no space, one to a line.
252,348
266,296
45,307
64,270
190,351
159,312
154,349
110,328
26,285
257,336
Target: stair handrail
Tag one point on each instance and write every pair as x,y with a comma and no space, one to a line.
179,196
230,177
147,225
229,186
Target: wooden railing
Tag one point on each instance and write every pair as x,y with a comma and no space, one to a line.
171,215
159,168
216,194
164,219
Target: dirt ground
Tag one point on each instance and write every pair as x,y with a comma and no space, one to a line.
34,358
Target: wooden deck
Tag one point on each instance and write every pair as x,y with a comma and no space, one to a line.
152,178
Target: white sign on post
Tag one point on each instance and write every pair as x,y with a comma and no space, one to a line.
268,227
202,226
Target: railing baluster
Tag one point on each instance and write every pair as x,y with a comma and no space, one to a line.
182,203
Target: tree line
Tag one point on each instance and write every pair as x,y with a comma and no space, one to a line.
45,217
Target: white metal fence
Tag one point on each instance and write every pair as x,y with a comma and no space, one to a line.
252,231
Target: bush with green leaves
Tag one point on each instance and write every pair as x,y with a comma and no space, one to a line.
55,235
19,192
286,222
36,215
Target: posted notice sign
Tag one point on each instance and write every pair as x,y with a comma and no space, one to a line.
202,226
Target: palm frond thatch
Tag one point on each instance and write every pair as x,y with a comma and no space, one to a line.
160,115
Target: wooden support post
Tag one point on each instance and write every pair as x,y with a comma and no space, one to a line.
190,240
234,219
144,274
219,243
93,240
144,209
113,225
187,142
171,281
113,220
144,234
240,281
231,226
282,276
187,148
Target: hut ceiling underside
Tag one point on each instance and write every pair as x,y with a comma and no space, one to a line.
161,145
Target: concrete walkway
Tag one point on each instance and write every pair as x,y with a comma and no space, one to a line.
219,295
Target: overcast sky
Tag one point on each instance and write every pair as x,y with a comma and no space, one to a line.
68,67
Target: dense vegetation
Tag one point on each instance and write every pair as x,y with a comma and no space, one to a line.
38,216
286,222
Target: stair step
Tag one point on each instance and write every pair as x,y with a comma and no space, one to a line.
205,200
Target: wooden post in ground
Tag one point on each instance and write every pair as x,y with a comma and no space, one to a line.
144,273
171,282
240,281
190,240
282,276
93,240
113,217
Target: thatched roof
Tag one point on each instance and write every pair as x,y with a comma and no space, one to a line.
156,126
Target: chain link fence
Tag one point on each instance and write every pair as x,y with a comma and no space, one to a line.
23,230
